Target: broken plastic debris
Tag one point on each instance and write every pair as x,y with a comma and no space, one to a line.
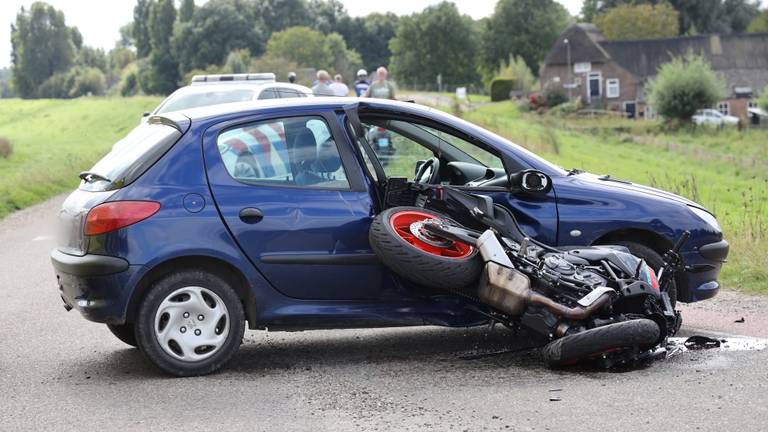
741,320
701,342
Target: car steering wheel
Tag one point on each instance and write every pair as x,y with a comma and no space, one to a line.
428,172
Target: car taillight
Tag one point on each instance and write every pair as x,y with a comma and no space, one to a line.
112,216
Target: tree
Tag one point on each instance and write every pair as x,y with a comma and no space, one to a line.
759,23
645,21
370,36
41,46
343,60
422,48
278,15
517,71
525,28
140,28
92,57
217,28
164,75
327,15
695,16
684,85
762,101
302,45
186,10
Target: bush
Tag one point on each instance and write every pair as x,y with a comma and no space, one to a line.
56,86
762,102
5,148
129,81
554,95
683,86
501,88
566,109
517,70
87,81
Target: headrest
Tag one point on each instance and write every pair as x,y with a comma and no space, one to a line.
304,146
328,160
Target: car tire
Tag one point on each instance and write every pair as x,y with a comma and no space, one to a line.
592,343
171,326
125,332
416,265
653,259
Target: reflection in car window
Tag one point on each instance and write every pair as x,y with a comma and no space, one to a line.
269,93
298,151
396,153
200,99
288,93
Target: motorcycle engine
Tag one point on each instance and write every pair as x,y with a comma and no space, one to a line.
561,268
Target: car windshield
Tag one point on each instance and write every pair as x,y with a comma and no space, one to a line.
197,98
130,157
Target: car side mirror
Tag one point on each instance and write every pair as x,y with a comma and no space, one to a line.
419,163
530,181
146,114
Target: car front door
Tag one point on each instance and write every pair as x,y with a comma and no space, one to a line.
415,139
293,197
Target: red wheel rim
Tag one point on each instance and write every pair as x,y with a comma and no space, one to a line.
401,222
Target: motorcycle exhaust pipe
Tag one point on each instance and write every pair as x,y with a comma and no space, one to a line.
509,290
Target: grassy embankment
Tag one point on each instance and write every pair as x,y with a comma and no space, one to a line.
725,170
53,140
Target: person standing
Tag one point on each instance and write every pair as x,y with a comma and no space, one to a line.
381,88
322,88
362,84
338,86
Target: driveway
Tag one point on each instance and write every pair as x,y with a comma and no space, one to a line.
60,372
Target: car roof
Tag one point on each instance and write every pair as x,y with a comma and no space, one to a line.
237,85
254,107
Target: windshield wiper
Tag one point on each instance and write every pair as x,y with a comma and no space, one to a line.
575,171
90,176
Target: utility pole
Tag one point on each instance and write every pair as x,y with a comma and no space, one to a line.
568,56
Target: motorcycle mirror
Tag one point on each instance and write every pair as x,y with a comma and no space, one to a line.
419,163
530,181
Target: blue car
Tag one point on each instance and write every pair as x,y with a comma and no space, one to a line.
201,221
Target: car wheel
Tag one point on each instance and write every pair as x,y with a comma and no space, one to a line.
431,262
190,323
124,332
653,259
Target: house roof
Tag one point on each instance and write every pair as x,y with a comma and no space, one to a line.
741,59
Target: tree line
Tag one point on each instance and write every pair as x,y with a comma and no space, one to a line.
170,40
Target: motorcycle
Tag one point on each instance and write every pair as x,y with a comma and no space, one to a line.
381,140
594,304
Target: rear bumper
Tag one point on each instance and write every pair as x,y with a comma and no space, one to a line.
702,270
98,286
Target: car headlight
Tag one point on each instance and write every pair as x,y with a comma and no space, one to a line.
706,217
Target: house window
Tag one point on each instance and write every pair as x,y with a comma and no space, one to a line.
724,108
612,88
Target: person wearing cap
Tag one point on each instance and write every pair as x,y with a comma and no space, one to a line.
381,88
322,88
292,77
338,86
361,84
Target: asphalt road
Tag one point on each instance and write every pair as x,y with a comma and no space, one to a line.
60,372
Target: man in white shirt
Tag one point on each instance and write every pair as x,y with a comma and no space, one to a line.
338,86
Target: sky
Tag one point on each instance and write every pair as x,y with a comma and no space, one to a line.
100,20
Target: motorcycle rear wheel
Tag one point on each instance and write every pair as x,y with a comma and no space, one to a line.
450,265
592,343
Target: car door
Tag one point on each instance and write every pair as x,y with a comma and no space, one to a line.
536,214
290,192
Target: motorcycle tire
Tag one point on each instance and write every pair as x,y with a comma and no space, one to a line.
419,262
592,343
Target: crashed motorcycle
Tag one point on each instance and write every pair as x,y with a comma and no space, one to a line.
597,304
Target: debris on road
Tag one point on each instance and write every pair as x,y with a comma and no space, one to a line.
740,320
701,342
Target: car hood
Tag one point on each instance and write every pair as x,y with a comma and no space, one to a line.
608,181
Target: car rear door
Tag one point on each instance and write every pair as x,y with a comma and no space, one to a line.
291,193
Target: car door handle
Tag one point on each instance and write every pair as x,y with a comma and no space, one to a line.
251,215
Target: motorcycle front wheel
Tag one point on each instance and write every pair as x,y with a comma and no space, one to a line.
592,343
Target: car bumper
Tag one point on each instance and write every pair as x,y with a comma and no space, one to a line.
702,270
95,285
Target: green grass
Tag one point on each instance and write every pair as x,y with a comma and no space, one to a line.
726,171
53,140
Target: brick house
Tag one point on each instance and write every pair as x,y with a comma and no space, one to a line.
613,75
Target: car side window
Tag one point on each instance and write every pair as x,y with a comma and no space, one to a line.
288,93
269,93
296,151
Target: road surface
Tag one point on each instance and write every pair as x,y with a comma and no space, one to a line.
60,372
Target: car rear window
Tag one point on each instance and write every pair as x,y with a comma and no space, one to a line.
207,98
130,157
